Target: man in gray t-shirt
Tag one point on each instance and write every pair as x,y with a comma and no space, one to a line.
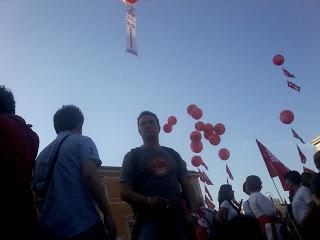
68,209
155,183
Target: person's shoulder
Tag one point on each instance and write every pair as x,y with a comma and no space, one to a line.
11,119
134,152
255,195
304,190
170,150
225,204
82,139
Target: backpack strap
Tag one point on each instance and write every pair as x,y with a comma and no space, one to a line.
41,199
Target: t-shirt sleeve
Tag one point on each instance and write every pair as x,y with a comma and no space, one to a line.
225,204
127,170
182,167
306,195
88,151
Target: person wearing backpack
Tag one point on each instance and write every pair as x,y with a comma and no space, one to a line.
68,186
154,180
18,150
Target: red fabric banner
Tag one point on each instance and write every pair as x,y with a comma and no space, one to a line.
275,167
302,156
297,136
208,202
229,172
287,73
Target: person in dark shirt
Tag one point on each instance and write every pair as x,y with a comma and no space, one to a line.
155,182
18,150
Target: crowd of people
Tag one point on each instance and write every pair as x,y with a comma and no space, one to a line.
55,194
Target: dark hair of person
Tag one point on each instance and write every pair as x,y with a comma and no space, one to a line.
293,177
316,157
245,188
315,184
147,113
7,103
225,193
306,178
253,183
67,118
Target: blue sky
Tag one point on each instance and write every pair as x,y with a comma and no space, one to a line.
216,54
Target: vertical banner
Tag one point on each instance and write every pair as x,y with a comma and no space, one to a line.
131,29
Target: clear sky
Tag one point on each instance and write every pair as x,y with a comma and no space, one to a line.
213,53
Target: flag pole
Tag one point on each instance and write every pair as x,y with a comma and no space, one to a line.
277,190
227,175
289,217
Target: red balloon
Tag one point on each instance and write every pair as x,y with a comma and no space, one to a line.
195,136
196,161
219,128
199,126
208,127
214,139
286,116
278,60
196,113
196,146
207,135
224,154
167,128
131,1
172,120
190,108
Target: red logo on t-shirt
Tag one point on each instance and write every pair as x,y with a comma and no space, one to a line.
159,167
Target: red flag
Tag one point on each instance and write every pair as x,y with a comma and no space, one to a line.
285,72
201,176
302,156
208,202
308,170
293,86
274,166
203,164
207,192
229,172
296,135
207,179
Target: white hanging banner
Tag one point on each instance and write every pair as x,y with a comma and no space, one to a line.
131,29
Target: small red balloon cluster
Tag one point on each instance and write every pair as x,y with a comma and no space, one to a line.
167,128
194,111
210,133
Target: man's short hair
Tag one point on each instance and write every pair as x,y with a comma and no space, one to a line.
253,183
315,185
316,158
293,177
245,188
67,118
7,103
146,113
306,178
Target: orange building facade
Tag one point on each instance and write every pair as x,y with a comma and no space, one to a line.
121,211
